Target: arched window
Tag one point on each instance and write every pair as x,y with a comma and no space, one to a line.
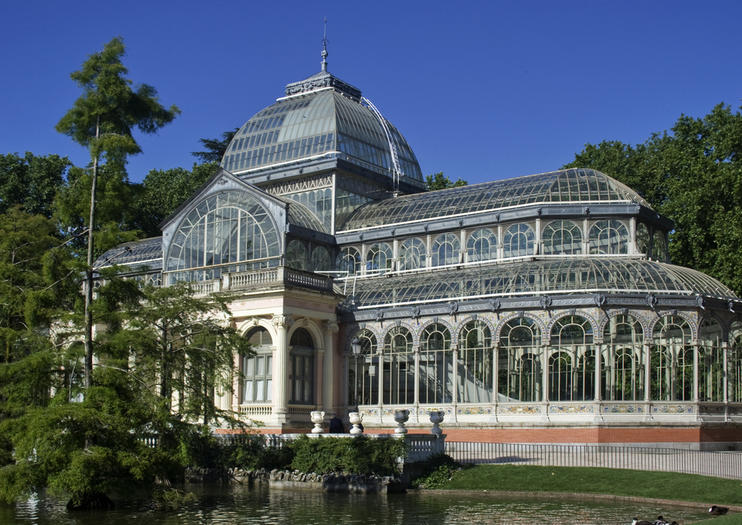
320,259
349,260
561,237
659,246
671,360
572,363
623,370
257,370
474,365
301,367
446,249
519,241
710,362
436,365
398,367
379,258
642,238
226,232
519,361
412,254
296,255
609,236
363,379
481,245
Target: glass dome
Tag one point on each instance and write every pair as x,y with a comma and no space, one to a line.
321,115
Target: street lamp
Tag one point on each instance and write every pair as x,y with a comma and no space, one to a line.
355,346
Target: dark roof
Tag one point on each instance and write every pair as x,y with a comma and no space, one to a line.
571,185
527,278
145,252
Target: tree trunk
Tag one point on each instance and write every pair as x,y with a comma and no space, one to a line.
89,271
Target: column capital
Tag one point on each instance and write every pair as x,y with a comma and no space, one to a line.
282,321
332,327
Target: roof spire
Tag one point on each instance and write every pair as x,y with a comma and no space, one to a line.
324,48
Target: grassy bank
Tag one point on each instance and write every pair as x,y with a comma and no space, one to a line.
634,483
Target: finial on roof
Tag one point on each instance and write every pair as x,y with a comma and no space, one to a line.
324,48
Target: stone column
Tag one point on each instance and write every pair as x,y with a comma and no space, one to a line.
545,373
328,372
456,379
280,370
236,383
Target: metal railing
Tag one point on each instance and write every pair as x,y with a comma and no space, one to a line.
705,463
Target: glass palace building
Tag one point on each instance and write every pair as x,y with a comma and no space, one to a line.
540,308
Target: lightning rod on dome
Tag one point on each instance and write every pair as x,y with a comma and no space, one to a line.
324,48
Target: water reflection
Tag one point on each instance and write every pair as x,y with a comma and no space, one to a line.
224,505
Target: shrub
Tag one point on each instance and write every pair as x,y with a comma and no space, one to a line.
437,472
358,455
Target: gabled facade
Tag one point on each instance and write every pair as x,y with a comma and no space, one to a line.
539,308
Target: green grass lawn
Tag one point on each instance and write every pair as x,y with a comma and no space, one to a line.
662,485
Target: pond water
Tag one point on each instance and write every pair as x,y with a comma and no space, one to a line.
260,505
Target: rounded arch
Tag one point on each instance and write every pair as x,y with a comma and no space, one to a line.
516,315
519,240
349,260
225,231
563,318
458,327
398,366
249,324
311,328
444,323
445,250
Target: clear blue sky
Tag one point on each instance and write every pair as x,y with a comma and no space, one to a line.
481,90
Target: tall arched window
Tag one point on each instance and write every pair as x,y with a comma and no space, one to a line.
436,365
609,236
670,359
349,260
226,232
481,245
623,369
363,378
446,249
519,361
398,367
710,361
572,363
659,246
519,241
642,238
257,370
301,367
412,254
474,364
296,254
379,258
561,237
320,259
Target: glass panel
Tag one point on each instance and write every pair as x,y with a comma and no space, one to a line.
561,237
609,237
481,245
519,241
412,254
445,250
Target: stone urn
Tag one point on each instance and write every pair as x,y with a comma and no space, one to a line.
401,416
318,417
355,419
436,417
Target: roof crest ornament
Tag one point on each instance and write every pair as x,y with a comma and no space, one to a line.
324,48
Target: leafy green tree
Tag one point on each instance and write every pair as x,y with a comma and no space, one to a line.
693,175
163,191
31,181
215,148
438,181
103,120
